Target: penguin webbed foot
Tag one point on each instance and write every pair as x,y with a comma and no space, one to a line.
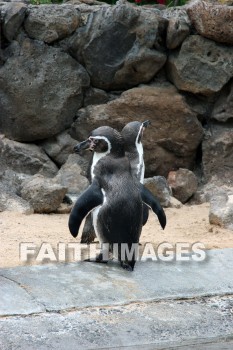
88,238
128,265
99,259
88,234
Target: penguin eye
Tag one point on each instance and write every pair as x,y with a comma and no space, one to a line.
93,140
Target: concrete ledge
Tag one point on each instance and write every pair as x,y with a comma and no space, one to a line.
15,300
191,324
176,305
78,285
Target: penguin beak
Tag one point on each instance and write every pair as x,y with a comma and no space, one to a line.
88,144
146,123
85,145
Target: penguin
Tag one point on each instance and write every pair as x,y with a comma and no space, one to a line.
114,196
132,134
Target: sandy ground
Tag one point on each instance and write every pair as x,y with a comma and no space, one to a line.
189,224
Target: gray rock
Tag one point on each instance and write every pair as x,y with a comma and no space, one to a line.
25,158
13,16
64,208
51,22
183,183
160,189
95,96
13,180
43,194
201,66
177,12
223,108
221,210
10,201
206,191
213,21
41,89
59,147
2,56
171,140
177,32
120,46
71,175
174,203
217,152
201,105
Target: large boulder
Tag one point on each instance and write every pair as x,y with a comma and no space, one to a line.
217,148
59,147
51,22
43,194
201,66
212,21
13,180
221,210
223,107
207,190
94,96
120,46
183,183
160,189
25,158
72,176
13,15
171,140
177,31
10,201
41,89
176,12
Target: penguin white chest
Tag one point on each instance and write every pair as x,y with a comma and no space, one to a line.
97,156
141,165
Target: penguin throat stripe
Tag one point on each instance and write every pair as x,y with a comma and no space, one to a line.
140,166
97,155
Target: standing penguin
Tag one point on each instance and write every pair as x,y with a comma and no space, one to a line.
132,134
113,197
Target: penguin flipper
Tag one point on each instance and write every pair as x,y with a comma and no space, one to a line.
89,199
153,203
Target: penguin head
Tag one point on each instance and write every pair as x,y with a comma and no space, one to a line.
103,140
133,132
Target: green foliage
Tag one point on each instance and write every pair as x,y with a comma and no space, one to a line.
176,2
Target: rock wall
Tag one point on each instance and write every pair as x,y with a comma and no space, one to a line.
66,69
